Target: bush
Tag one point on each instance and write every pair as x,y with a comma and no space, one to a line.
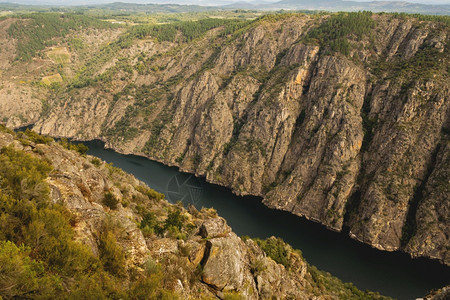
96,162
149,224
34,137
276,249
110,200
150,193
99,285
26,217
22,175
80,147
175,219
111,254
22,276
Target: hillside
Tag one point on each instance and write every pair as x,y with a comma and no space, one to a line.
73,226
341,118
345,5
170,6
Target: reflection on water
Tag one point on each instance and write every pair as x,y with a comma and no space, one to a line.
186,188
392,274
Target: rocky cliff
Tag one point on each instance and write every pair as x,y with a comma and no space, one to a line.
198,254
342,119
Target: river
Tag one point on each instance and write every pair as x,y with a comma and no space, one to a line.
392,274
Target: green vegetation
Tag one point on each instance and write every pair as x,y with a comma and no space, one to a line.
29,135
96,162
80,147
174,219
39,257
324,283
149,223
37,31
25,276
110,200
423,17
335,32
156,127
173,225
111,254
135,118
165,18
26,218
276,249
426,63
190,30
60,55
22,175
151,194
124,128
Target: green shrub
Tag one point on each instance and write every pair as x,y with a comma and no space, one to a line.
22,175
96,162
80,147
111,254
276,249
5,129
34,137
148,220
150,193
99,285
175,219
149,224
110,200
22,276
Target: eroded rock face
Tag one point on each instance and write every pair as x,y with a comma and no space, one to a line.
210,261
214,228
432,236
230,264
344,140
268,281
224,268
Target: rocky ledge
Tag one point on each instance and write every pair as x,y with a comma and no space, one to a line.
198,253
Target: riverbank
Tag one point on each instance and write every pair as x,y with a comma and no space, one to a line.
391,273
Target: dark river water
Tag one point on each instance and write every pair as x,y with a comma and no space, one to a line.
392,274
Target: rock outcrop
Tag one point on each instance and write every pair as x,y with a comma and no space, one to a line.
210,260
354,136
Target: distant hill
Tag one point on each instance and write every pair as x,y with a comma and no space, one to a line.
24,6
171,6
339,5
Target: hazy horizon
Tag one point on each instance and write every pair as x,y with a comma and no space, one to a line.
193,2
